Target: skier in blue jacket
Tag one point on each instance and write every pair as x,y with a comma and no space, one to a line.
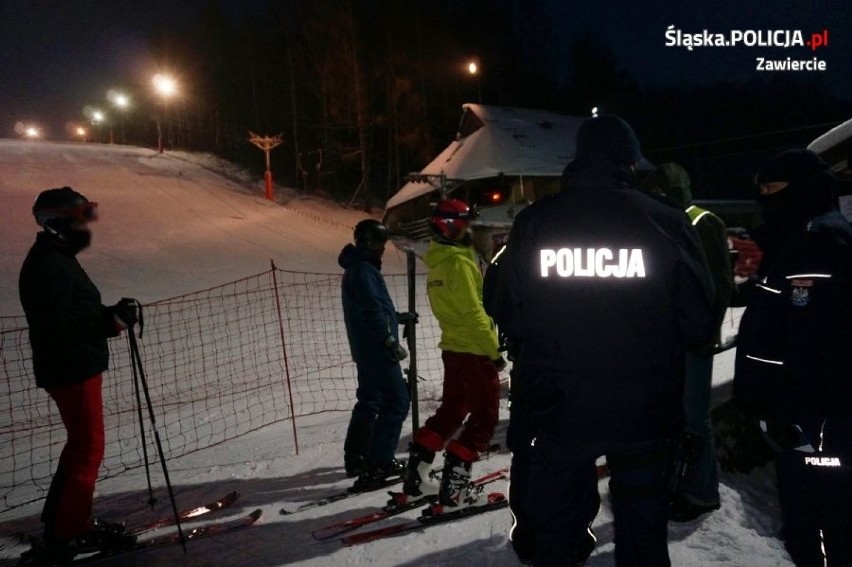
372,327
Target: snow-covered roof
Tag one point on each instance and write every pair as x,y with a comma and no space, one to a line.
832,137
513,141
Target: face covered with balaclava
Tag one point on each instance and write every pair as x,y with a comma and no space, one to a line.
795,186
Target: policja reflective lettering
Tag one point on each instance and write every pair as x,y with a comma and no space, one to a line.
569,262
823,461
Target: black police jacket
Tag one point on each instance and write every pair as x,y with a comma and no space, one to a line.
68,325
608,288
793,344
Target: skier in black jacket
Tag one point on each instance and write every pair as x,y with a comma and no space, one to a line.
69,327
792,365
608,288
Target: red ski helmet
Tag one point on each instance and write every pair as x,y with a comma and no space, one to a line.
451,218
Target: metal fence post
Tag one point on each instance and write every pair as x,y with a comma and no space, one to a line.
412,340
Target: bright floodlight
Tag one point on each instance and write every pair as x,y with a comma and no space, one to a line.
121,101
595,112
81,131
97,116
32,132
165,85
472,68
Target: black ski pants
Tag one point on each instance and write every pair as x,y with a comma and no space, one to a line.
562,496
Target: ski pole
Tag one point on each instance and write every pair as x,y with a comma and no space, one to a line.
151,499
137,360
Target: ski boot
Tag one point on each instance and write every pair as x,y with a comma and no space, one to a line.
418,479
355,465
378,475
104,537
455,490
111,535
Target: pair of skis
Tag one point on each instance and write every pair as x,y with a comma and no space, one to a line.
33,557
394,508
352,491
495,501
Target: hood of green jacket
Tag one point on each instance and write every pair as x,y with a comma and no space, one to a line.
671,180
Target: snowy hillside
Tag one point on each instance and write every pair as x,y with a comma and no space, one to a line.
171,224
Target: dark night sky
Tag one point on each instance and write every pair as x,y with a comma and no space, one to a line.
57,56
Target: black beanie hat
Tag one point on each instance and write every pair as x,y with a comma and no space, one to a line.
809,190
610,137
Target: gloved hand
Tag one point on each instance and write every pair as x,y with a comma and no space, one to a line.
500,364
125,314
395,349
407,317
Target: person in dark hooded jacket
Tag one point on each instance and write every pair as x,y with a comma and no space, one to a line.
372,326
696,490
606,287
792,365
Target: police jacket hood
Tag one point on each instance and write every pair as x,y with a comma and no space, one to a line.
671,180
606,287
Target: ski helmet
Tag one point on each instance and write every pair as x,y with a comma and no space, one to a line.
451,218
370,231
56,209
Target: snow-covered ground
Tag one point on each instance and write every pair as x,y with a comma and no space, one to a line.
172,224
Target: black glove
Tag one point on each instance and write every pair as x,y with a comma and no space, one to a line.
395,350
125,314
407,317
500,364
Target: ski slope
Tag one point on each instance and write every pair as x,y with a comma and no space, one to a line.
175,223
169,224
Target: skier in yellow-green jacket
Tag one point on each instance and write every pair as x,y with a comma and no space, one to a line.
471,358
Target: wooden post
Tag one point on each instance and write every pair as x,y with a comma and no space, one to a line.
284,350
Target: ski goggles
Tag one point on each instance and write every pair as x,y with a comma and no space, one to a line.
471,214
86,212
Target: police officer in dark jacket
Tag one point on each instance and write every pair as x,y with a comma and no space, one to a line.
69,327
609,287
372,325
792,365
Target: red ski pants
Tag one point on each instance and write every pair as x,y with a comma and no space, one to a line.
68,510
471,388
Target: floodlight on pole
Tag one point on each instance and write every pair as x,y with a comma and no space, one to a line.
166,87
266,144
474,70
31,132
96,118
82,133
595,112
122,103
